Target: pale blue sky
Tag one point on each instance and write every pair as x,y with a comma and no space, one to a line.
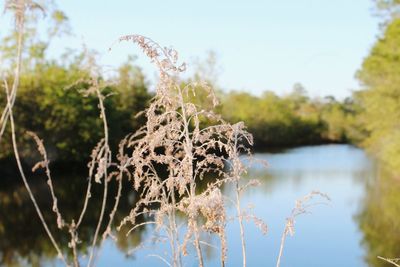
269,44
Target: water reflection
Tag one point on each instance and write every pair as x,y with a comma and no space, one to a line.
361,223
379,218
330,235
23,240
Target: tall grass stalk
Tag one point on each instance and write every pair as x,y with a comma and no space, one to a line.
18,7
23,176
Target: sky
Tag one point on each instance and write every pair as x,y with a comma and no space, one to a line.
260,45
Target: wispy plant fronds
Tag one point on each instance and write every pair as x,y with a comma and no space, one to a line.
302,206
44,164
174,151
180,145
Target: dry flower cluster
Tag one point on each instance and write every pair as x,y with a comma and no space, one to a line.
164,161
173,152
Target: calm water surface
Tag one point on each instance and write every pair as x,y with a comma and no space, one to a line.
331,235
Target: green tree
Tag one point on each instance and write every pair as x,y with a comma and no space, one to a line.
50,104
40,28
380,99
67,121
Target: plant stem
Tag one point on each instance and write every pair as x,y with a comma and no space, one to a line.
21,171
283,238
197,243
106,157
240,223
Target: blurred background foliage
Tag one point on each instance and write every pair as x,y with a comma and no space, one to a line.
50,104
380,97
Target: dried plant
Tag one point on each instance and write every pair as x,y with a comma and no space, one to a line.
19,8
238,141
302,206
394,261
173,152
98,168
172,139
99,172
165,160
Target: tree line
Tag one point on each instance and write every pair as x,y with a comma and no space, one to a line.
51,105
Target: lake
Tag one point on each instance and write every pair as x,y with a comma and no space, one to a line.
345,231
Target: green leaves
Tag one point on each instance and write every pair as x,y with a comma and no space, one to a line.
380,75
290,120
50,104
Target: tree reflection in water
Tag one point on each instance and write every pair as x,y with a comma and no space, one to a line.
379,219
22,238
23,241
